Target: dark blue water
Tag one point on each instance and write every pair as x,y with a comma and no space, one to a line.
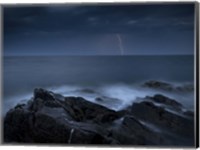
22,74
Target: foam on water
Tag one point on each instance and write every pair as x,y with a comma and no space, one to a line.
121,95
14,100
127,94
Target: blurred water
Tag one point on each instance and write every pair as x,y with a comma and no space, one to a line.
118,75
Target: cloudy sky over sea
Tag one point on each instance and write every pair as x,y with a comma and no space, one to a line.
99,29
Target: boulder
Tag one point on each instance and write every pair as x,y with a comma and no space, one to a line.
83,110
158,98
185,88
166,120
158,85
45,119
138,133
189,113
168,87
25,127
51,118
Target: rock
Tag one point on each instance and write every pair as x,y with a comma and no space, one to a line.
107,99
99,99
44,98
148,112
17,126
189,113
82,110
185,88
169,87
26,127
131,131
62,133
142,134
170,105
43,94
51,118
158,98
89,91
45,119
158,85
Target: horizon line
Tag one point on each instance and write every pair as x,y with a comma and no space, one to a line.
93,55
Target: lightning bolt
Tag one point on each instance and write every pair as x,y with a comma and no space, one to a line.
120,44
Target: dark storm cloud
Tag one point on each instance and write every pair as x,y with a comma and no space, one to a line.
71,22
89,18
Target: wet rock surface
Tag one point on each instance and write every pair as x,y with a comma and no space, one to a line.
165,101
52,118
169,87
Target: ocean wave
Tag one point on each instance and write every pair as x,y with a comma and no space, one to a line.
114,96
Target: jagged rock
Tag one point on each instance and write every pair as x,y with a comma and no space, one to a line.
158,98
43,94
99,99
52,118
46,119
137,133
170,105
82,110
17,126
168,87
185,88
158,85
25,127
166,120
107,99
189,113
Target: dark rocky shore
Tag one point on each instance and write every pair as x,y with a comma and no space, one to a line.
160,85
52,118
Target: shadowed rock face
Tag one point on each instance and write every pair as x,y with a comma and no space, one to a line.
163,118
52,118
158,98
46,119
82,110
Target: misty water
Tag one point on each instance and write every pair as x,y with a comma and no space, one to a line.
117,77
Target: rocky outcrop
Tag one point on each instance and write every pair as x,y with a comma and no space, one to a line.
51,118
158,85
134,131
168,102
163,118
168,87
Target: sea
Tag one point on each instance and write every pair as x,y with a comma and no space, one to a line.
114,77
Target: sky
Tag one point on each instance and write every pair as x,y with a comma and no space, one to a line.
106,29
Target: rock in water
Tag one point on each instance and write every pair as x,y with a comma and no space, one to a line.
43,94
83,110
46,119
52,118
164,119
160,85
133,131
158,98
